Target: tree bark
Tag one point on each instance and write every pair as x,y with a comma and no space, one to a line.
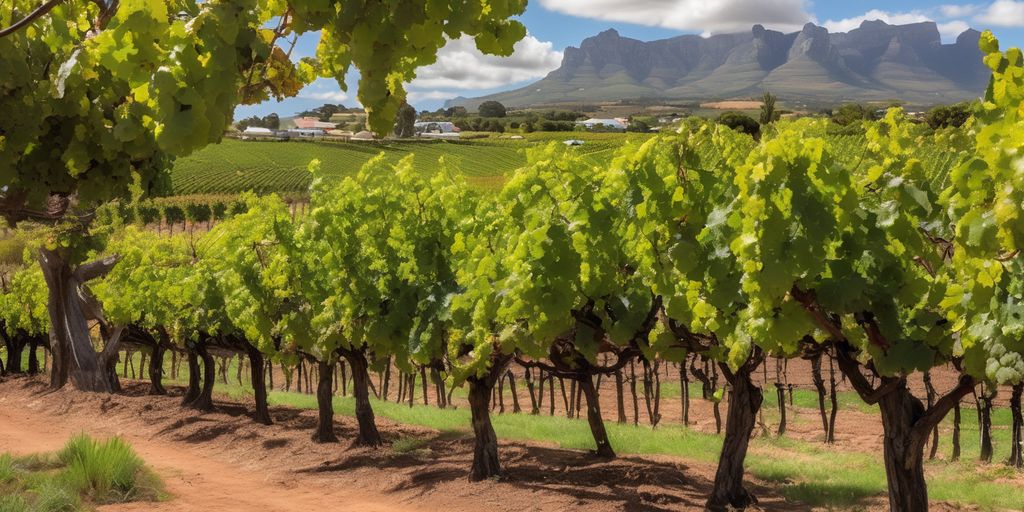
1017,436
904,465
956,433
71,343
156,371
528,377
834,400
620,398
368,434
33,359
259,385
486,464
15,345
985,425
819,386
325,405
604,446
515,393
204,402
192,391
744,402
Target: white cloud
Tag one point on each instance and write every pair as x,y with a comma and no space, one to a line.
892,18
958,11
337,96
950,31
704,15
460,65
324,89
414,96
1003,13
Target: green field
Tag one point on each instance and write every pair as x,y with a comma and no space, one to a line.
237,166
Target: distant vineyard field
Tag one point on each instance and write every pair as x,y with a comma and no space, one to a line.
237,166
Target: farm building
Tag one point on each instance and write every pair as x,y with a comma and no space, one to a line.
436,130
307,132
608,124
312,123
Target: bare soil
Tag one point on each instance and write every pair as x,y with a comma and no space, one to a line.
223,461
733,105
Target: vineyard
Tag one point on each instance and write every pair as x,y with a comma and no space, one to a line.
236,166
264,167
794,316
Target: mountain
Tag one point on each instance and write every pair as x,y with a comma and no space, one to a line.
876,61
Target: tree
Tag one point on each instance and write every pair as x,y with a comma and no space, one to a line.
272,121
163,84
740,122
850,113
768,113
491,109
947,116
323,112
459,111
405,123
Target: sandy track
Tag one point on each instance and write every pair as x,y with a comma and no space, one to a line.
196,481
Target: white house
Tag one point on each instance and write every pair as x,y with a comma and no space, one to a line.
258,131
608,124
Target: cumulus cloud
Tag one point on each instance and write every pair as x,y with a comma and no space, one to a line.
337,96
958,11
461,66
324,89
950,31
1003,13
707,16
414,96
892,18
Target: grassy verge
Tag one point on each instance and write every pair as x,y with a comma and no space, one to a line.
810,473
83,474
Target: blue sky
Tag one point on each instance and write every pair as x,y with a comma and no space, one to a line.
554,25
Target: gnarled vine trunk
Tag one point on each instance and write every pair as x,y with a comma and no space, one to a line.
745,400
485,442
325,404
259,385
368,433
204,402
70,342
156,370
904,461
604,445
192,391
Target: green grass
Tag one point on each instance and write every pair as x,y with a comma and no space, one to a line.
106,471
83,474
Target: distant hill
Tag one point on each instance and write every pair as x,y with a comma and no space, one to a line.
877,61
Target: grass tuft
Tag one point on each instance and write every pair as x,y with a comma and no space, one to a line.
13,503
107,471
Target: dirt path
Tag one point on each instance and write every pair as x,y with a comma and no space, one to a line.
196,481
224,461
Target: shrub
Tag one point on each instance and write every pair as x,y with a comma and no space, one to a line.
740,122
